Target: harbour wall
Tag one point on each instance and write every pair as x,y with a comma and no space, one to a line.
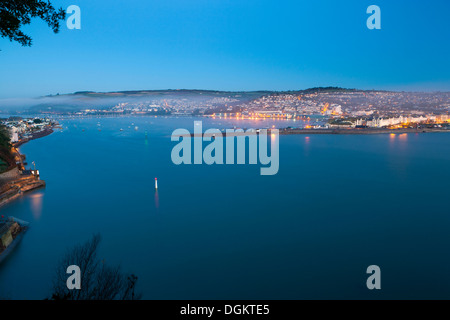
9,175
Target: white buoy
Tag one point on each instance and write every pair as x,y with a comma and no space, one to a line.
156,183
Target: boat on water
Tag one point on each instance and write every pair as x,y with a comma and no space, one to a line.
12,231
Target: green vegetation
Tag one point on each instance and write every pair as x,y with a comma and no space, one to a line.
5,148
342,122
3,166
4,138
327,89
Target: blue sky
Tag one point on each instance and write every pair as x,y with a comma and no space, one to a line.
233,45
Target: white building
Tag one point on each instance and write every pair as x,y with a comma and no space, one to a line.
14,133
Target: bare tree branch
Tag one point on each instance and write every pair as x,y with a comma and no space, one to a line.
98,281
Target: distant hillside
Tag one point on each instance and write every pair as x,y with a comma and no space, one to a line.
327,89
104,100
171,93
81,100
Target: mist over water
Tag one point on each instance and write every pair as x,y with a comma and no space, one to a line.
337,205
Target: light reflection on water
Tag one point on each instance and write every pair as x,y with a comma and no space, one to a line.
156,199
36,199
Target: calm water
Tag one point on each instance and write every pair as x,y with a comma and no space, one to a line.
337,205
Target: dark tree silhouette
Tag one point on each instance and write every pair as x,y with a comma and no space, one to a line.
16,13
98,281
7,160
4,138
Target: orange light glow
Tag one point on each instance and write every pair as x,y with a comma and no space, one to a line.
36,204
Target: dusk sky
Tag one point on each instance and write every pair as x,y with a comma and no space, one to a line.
233,45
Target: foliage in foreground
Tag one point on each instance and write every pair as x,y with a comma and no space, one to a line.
14,14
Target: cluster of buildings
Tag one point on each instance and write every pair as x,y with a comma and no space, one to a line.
335,106
353,103
353,108
290,104
280,106
175,106
390,122
23,129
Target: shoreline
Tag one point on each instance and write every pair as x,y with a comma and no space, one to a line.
352,131
34,136
16,188
12,231
23,183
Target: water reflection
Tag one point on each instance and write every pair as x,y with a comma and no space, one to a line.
156,199
36,204
307,145
399,157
